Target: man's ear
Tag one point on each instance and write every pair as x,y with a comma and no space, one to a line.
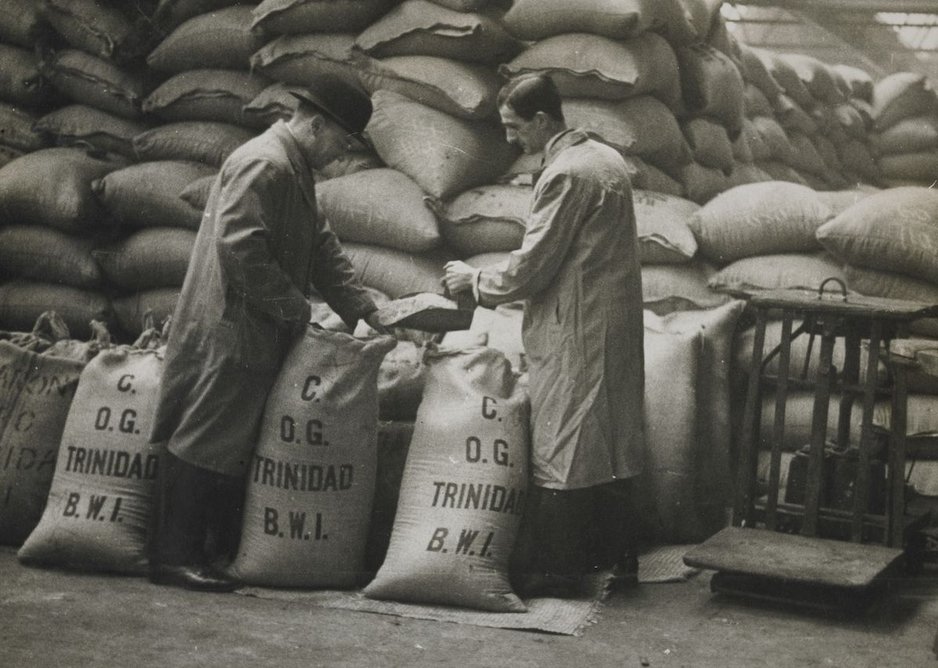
316,123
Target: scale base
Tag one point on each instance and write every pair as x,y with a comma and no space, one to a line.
819,597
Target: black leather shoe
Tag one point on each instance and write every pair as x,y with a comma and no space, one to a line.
197,578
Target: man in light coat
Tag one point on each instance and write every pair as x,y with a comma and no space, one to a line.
578,270
243,303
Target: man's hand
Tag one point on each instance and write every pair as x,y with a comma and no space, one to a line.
372,320
459,276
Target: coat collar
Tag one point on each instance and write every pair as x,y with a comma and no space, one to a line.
562,140
304,172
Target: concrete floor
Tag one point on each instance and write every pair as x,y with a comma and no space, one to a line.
56,618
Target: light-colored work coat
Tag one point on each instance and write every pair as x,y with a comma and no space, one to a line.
578,269
244,301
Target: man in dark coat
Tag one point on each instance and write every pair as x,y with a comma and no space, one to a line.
243,303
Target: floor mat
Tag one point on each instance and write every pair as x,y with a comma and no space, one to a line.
566,616
664,563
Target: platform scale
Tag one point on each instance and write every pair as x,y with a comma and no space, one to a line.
808,552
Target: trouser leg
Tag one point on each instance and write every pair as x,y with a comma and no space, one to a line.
223,516
179,520
560,527
197,514
613,527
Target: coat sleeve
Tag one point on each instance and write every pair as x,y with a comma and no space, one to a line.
333,276
250,195
560,203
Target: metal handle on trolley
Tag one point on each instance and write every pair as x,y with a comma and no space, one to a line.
843,287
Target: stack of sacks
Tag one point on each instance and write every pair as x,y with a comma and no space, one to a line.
206,60
808,121
882,245
97,69
147,263
905,121
22,89
50,218
889,244
713,91
615,66
431,71
203,63
762,236
50,221
762,151
855,144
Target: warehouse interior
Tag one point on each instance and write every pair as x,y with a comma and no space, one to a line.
783,161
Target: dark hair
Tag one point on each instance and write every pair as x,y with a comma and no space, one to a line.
529,94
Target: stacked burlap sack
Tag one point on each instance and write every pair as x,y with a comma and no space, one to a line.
199,84
905,129
807,122
84,97
880,243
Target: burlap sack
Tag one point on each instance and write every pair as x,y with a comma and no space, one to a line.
422,28
382,206
18,130
311,483
131,312
895,230
679,287
464,487
461,89
44,254
486,219
445,155
196,141
21,23
99,29
663,234
396,273
616,19
155,257
218,40
101,496
641,126
81,125
301,59
777,271
584,65
759,219
36,391
311,16
712,86
148,194
205,95
23,301
96,82
52,187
